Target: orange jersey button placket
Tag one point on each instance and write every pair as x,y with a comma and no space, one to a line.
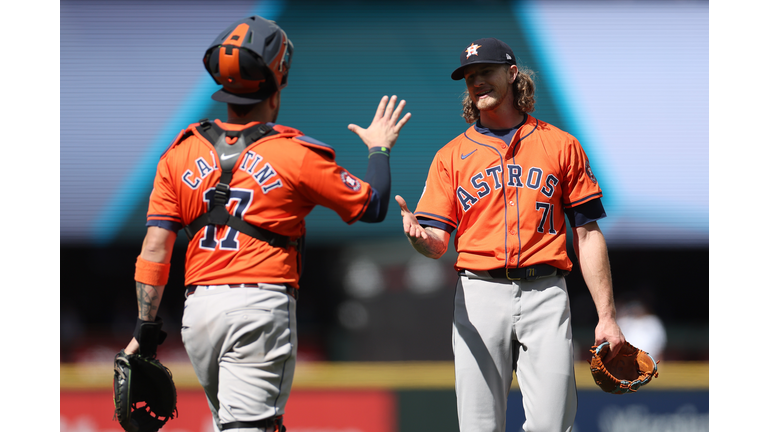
512,228
512,218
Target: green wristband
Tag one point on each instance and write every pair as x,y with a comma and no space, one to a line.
378,150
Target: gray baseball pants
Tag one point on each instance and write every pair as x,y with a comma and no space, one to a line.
242,345
501,327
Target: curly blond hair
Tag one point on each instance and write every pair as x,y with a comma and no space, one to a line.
523,90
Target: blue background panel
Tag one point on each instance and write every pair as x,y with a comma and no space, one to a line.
644,411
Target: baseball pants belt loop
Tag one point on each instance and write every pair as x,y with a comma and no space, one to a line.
529,273
291,291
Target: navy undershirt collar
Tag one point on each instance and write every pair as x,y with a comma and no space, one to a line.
505,135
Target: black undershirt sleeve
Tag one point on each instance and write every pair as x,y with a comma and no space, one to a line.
378,176
583,214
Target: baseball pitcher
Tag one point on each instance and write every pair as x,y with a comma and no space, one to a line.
506,187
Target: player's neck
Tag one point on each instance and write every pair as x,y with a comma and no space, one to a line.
501,118
263,112
253,116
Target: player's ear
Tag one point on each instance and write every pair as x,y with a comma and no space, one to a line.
274,106
512,73
274,100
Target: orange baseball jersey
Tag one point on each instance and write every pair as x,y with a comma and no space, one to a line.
275,184
507,202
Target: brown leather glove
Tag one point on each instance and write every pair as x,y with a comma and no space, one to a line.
625,373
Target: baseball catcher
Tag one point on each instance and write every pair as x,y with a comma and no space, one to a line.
141,379
240,188
625,373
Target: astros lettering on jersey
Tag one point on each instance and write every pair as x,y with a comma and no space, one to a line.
506,202
275,184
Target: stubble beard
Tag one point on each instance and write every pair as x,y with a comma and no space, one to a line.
488,103
492,101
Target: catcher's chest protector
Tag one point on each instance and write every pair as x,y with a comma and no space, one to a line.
228,146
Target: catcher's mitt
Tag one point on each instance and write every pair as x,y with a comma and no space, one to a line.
142,379
625,373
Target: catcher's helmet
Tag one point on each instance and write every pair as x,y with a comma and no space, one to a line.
250,59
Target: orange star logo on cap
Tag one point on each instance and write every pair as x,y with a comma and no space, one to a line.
472,50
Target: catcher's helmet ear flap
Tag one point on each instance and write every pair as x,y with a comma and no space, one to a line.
250,59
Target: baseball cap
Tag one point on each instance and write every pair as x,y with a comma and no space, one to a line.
486,50
250,60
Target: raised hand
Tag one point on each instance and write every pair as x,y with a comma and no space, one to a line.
385,127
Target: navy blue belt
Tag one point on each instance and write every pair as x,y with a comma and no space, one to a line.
270,424
524,273
291,291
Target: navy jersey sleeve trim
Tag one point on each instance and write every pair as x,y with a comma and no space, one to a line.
587,198
583,214
425,222
425,216
360,215
165,224
178,219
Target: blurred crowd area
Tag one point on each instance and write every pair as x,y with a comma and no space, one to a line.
384,302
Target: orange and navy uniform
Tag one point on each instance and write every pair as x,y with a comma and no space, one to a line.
508,201
275,184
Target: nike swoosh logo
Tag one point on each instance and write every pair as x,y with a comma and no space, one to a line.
223,157
464,156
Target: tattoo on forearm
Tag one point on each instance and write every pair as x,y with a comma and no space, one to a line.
148,300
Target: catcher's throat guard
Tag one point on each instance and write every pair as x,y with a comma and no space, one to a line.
629,370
